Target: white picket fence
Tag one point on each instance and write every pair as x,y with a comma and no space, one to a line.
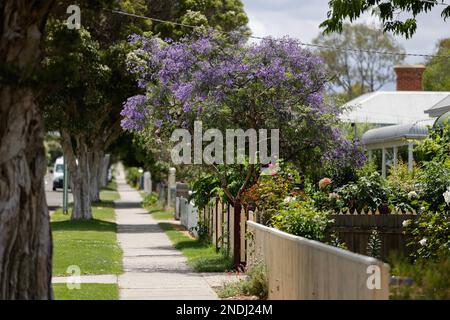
187,213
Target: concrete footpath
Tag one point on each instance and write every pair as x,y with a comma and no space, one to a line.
153,268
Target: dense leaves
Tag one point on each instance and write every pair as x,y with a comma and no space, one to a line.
342,10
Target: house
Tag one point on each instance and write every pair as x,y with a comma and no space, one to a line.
404,116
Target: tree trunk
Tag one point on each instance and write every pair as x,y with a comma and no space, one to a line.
78,165
103,173
25,237
95,167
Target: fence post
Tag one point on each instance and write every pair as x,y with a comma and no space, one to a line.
237,234
171,188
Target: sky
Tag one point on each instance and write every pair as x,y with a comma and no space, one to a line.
301,19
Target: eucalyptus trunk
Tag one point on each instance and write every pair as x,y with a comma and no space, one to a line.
77,153
25,237
95,167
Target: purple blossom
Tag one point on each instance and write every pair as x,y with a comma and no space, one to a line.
134,113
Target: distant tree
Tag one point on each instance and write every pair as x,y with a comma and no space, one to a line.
437,73
388,11
357,72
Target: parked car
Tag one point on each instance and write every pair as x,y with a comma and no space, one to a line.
58,173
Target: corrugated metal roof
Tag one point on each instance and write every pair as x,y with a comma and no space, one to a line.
439,108
392,107
414,130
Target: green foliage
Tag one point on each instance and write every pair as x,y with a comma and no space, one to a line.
209,185
430,235
403,188
435,174
149,200
255,284
430,279
374,245
204,188
271,190
132,176
437,73
202,230
369,192
388,11
226,15
302,219
52,148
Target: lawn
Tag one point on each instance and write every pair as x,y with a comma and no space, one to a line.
87,291
109,193
202,257
91,245
157,212
161,214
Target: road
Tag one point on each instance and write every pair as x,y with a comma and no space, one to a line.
54,198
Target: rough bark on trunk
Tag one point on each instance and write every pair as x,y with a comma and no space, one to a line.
25,237
78,165
103,173
95,164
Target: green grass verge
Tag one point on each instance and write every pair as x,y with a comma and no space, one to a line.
87,291
157,212
109,193
201,257
161,214
91,245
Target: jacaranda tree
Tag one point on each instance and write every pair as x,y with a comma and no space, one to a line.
228,84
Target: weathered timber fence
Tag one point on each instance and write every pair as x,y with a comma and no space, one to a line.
299,268
218,218
355,230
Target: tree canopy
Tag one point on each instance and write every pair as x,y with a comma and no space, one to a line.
359,71
437,73
388,11
227,83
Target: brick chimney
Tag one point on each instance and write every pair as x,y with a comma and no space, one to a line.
409,77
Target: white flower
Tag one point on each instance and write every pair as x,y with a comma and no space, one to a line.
287,200
406,223
446,195
423,241
412,195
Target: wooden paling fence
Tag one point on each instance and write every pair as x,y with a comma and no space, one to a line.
298,268
219,217
355,229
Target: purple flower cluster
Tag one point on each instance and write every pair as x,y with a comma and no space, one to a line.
134,113
344,153
198,74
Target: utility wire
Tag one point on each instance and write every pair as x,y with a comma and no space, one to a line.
301,42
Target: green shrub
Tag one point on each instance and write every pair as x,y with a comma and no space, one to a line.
255,284
369,192
430,279
132,176
430,235
302,219
150,199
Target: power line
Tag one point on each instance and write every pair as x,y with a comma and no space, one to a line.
301,42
